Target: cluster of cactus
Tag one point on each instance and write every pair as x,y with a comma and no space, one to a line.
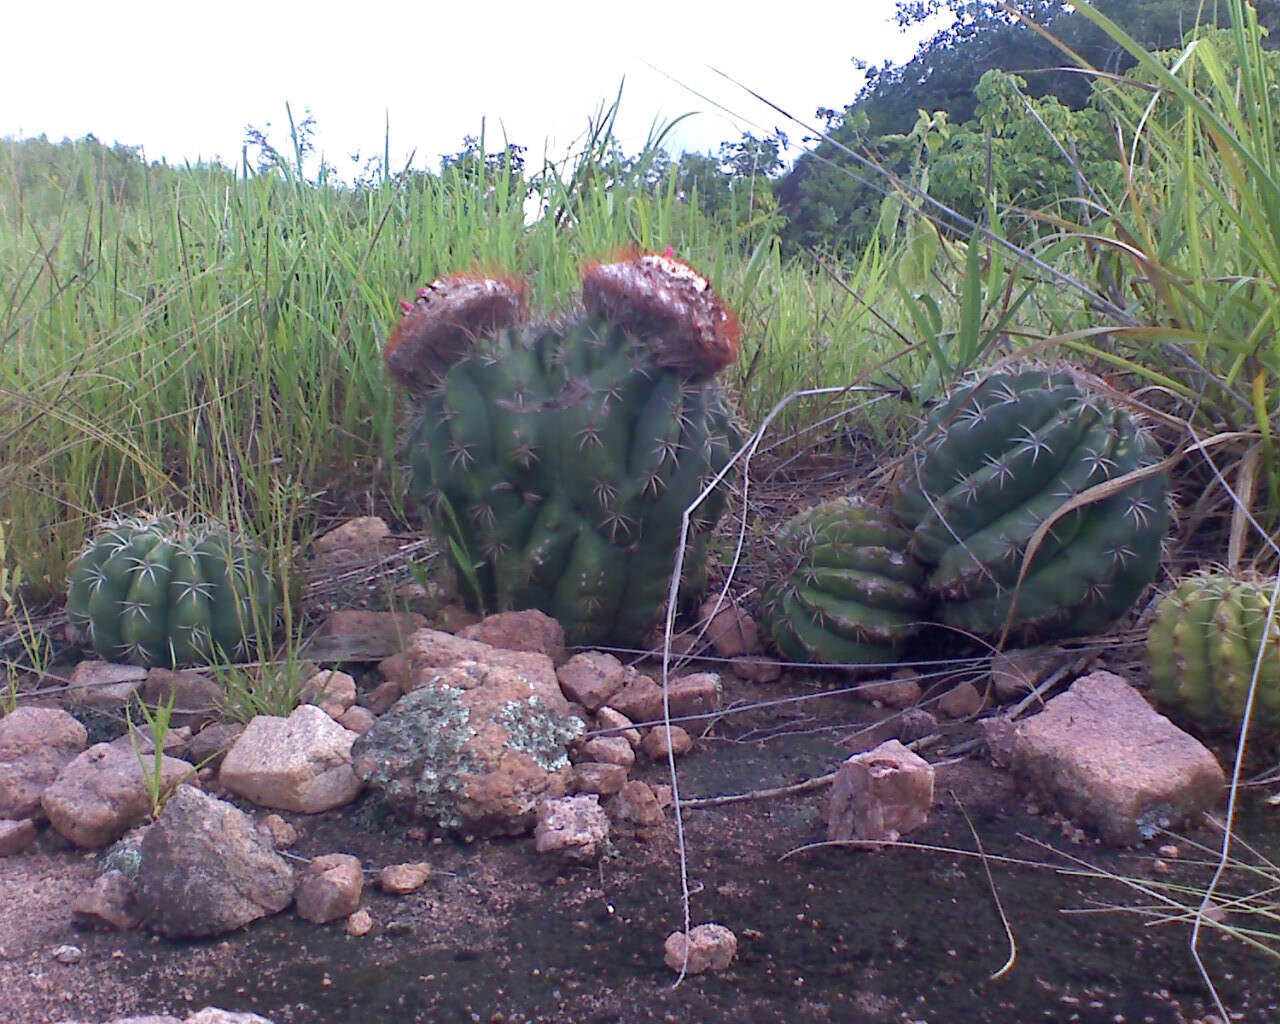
1203,646
995,461
844,589
162,591
556,458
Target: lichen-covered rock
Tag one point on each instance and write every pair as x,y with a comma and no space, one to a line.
475,748
205,869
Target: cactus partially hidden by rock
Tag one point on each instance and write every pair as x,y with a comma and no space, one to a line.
996,460
845,589
1204,644
159,590
556,458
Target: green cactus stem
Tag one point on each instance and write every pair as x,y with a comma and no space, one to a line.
160,591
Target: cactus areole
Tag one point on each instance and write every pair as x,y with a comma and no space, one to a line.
161,591
996,460
556,458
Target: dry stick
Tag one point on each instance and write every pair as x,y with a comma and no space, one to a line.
995,895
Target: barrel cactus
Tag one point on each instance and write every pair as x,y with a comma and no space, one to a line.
844,590
998,458
556,458
1203,645
159,590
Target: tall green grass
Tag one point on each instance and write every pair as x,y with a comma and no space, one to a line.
209,340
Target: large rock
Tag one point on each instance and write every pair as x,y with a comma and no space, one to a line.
879,795
529,630
35,745
732,632
206,869
104,792
1115,765
354,634
475,747
300,763
429,650
196,698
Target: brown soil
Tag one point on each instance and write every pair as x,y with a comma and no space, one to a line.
502,935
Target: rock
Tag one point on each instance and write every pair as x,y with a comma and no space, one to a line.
333,692
196,697
755,669
711,947
103,793
357,720
16,835
600,779
609,750
66,954
619,724
210,745
476,747
695,694
655,742
141,740
360,923
915,724
108,903
401,879
880,795
212,1015
329,888
892,693
354,539
300,763
206,870
1112,763
640,699
354,634
35,745
104,685
1015,673
635,804
428,651
591,678
381,697
529,630
572,828
962,701
282,834
663,793
453,618
999,735
731,631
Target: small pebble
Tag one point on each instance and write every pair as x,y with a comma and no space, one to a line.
68,954
1168,850
359,923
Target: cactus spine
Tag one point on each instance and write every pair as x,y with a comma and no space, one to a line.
161,591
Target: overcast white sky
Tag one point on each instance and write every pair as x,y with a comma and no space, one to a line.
183,79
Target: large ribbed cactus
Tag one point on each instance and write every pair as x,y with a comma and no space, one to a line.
1203,645
997,459
844,588
557,458
159,590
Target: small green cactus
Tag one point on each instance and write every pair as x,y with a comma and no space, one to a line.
556,458
158,590
997,459
1203,645
844,590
